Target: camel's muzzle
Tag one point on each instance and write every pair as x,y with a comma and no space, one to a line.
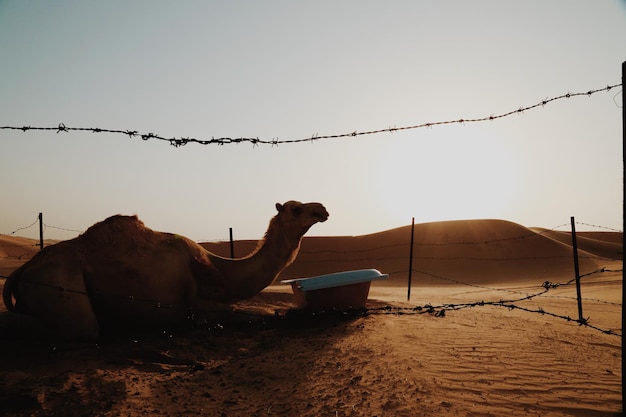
321,215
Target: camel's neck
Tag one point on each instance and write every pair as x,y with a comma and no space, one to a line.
246,277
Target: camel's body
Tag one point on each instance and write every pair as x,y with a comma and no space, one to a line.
119,272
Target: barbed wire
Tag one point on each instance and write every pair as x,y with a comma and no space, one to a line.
62,228
440,311
304,252
599,227
23,228
595,300
435,310
523,236
546,284
46,226
615,97
530,234
182,141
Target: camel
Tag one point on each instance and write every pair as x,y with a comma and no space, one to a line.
120,273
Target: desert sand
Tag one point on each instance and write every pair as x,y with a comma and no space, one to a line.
471,341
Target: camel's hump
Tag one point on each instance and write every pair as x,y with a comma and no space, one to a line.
117,224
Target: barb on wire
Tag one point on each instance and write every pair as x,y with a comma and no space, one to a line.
182,141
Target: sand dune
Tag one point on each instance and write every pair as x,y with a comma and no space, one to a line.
14,251
478,251
602,244
259,360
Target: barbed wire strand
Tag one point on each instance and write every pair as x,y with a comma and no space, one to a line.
598,227
254,243
438,311
373,249
62,228
23,228
549,284
304,252
182,141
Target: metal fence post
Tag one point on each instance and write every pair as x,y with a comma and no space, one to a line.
577,271
232,245
40,231
623,202
408,294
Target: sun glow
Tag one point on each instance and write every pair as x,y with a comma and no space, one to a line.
459,175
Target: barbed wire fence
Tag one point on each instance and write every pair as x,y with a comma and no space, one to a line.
182,141
439,310
436,310
254,243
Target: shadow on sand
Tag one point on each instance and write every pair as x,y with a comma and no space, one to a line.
216,366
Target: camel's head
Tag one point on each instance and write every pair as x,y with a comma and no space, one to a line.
299,217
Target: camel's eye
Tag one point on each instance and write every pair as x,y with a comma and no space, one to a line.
296,210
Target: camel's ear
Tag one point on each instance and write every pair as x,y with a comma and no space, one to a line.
279,207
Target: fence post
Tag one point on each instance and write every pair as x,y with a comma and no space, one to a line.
232,246
623,202
40,231
408,294
577,271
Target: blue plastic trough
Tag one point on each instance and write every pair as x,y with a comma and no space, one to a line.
341,290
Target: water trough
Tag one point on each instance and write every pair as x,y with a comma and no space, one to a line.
340,290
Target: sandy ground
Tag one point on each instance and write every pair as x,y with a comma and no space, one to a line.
264,359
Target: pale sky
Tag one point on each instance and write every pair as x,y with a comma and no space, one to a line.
289,70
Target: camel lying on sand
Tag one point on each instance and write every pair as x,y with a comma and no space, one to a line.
121,273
